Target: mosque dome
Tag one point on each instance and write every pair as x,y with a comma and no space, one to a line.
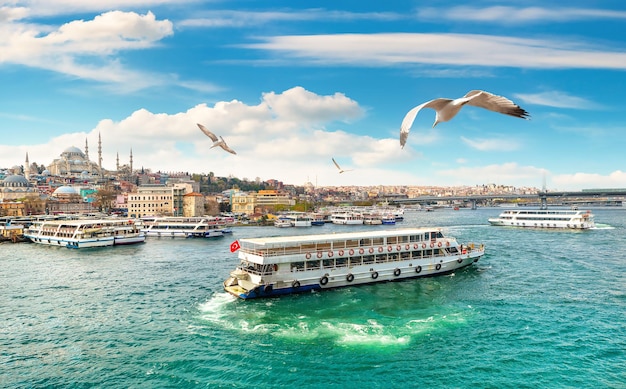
15,181
64,190
73,150
45,172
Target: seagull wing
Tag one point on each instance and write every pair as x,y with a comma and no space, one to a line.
336,164
225,146
409,118
495,103
207,132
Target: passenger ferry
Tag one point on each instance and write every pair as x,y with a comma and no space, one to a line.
187,227
83,233
294,264
347,218
538,218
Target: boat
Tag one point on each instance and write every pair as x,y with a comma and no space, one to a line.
187,227
282,223
347,218
540,218
389,219
83,233
317,219
275,266
299,220
372,219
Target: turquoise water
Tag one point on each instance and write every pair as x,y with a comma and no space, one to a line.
542,309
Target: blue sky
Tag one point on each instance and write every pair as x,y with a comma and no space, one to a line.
290,85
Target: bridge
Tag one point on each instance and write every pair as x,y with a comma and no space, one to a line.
608,196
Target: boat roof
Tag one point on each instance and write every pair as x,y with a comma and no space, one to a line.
337,236
78,222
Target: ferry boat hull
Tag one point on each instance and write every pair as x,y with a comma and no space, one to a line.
263,273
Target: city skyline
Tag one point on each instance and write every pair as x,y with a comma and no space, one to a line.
292,88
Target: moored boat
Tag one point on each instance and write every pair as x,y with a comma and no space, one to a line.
294,264
83,233
347,218
541,218
187,227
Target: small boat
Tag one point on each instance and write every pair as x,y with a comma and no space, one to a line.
187,227
541,218
347,218
282,223
283,265
372,219
83,233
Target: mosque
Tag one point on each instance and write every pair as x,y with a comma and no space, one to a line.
74,162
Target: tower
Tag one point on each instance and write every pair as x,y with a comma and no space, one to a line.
100,153
131,161
27,168
87,151
117,162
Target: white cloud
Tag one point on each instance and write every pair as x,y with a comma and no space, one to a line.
517,15
557,99
491,144
455,50
576,181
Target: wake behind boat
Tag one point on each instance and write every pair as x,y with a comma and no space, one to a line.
538,218
294,264
82,233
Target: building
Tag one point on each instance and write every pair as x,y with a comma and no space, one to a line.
157,200
193,204
264,201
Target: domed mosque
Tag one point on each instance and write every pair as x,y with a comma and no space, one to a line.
75,163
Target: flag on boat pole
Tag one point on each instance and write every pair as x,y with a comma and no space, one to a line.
234,246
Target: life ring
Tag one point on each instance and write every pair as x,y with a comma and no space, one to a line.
275,267
295,284
361,251
371,250
351,251
418,269
398,247
438,267
389,248
380,249
439,244
397,272
341,253
408,246
459,260
375,275
432,245
268,289
319,254
423,245
324,280
350,277
447,244
330,254
416,246
308,255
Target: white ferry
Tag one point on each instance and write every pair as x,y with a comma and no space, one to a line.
536,218
187,227
347,218
83,233
294,264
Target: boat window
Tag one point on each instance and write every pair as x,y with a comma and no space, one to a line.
312,265
329,262
378,241
308,246
368,259
297,266
381,258
339,245
323,246
365,242
355,261
341,262
406,255
352,243
439,234
392,239
403,239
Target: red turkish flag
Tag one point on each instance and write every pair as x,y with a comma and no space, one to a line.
234,246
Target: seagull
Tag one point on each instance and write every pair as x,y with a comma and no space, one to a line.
339,167
448,108
221,143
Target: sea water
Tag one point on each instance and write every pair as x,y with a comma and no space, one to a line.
541,309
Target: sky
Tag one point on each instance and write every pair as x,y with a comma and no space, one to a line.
290,85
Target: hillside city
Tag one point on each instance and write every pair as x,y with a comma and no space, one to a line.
74,184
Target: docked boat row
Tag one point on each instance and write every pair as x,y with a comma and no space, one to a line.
538,218
293,264
85,233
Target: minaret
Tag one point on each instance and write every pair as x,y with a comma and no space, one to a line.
100,153
87,151
117,162
27,168
131,161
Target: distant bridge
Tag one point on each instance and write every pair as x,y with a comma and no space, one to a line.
609,195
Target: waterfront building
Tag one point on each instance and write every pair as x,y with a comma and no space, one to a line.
193,204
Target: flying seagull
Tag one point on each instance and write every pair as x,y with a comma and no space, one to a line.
216,142
448,108
339,167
